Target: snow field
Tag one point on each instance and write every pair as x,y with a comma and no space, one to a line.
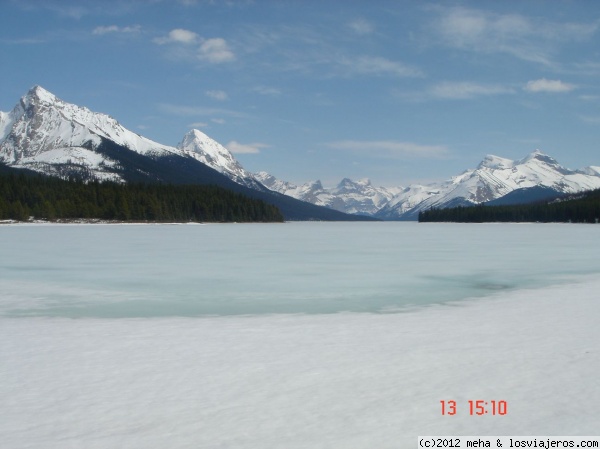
348,380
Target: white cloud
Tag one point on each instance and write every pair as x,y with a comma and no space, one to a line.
216,51
594,120
66,10
116,29
106,29
463,27
218,121
314,51
188,45
378,65
198,125
466,90
247,148
533,40
544,85
265,90
589,97
217,95
361,27
587,68
178,36
23,41
78,9
375,65
391,148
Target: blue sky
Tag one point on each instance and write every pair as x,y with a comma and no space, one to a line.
396,91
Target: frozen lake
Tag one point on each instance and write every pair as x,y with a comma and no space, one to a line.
155,271
298,335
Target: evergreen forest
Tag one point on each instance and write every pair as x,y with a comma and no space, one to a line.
24,196
579,208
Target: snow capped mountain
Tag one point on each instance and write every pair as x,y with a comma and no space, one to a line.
45,134
210,152
352,197
7,120
43,122
311,191
494,178
495,162
361,197
591,170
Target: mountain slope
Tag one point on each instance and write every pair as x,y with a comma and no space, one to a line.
351,197
49,136
210,152
534,177
51,198
494,178
583,207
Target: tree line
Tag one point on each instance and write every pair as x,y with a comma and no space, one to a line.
580,208
42,197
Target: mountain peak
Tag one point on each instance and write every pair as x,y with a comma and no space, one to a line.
265,177
198,142
346,182
40,94
495,162
538,155
210,152
315,185
196,134
347,185
41,122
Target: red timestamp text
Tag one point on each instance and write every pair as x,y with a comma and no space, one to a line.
477,407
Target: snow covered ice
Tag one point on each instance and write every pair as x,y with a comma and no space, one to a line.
302,335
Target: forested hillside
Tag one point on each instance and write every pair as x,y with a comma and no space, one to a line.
49,198
580,208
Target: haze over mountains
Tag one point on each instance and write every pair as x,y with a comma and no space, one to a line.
47,135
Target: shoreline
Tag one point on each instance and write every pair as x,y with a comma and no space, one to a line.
120,222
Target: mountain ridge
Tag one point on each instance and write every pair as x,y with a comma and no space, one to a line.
494,178
210,152
353,197
47,135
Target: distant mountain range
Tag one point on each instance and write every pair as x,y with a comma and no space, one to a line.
352,197
496,180
534,177
47,135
